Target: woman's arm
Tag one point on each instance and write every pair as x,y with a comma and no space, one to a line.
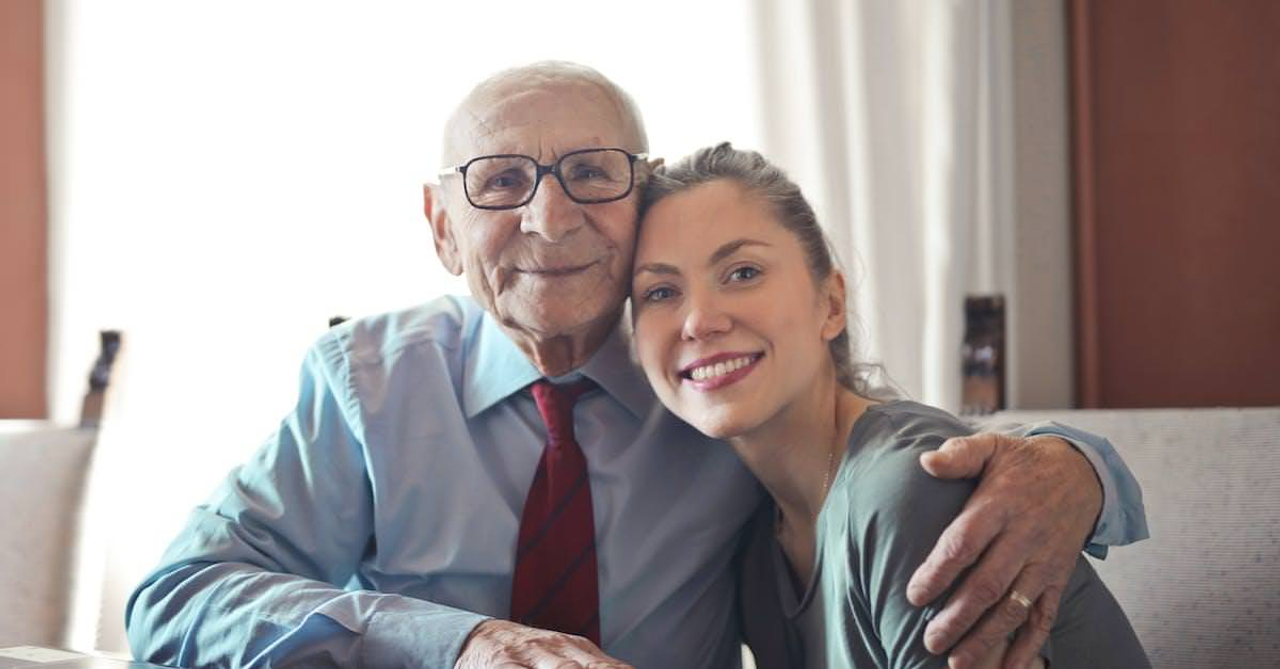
995,658
896,513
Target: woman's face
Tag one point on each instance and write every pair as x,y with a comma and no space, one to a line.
730,326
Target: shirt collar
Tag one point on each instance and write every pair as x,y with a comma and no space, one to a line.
614,368
499,369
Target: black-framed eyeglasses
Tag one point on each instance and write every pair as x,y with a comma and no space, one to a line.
510,180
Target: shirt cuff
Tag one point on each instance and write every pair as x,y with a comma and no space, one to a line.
414,634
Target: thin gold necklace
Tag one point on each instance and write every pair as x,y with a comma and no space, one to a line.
826,480
826,487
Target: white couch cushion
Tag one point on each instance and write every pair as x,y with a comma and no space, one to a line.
1204,590
42,478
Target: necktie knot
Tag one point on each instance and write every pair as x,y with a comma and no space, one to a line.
555,405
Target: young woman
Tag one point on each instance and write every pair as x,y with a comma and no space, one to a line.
740,325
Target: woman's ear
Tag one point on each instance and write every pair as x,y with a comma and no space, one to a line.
433,207
837,316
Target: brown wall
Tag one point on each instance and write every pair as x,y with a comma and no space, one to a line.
23,227
1177,178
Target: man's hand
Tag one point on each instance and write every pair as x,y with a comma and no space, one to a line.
501,643
1024,526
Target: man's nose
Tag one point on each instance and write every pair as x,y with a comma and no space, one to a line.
705,319
551,213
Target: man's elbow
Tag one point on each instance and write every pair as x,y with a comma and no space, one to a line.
158,619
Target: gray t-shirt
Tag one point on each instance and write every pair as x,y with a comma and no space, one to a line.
883,515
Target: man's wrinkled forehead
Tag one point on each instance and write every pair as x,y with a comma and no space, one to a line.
541,120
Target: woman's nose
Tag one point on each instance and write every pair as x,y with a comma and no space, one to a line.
705,320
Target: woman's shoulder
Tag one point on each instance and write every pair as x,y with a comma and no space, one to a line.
883,516
894,434
882,479
908,424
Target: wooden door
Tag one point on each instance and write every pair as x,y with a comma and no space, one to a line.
1176,165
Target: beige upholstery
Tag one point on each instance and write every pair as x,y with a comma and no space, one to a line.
1204,591
42,477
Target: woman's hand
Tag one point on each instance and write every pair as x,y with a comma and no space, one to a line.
1024,527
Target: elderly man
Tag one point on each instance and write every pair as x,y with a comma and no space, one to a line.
490,481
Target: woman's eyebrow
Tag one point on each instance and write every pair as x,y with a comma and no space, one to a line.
657,268
732,247
727,249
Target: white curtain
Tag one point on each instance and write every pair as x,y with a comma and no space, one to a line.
895,118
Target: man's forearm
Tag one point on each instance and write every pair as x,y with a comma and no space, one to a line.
238,615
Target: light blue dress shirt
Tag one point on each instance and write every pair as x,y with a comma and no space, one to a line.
376,527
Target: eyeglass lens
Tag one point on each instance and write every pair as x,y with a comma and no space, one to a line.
596,175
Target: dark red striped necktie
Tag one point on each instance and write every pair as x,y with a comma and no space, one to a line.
555,584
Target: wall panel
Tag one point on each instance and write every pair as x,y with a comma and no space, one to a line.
23,226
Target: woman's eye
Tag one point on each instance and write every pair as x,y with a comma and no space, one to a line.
658,294
744,274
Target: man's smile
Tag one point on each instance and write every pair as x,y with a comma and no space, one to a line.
556,271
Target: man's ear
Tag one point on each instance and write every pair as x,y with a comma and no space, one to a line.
837,316
433,206
651,166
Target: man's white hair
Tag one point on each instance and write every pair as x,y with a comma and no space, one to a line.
543,74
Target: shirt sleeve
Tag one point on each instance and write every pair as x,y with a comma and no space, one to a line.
257,577
1123,519
896,514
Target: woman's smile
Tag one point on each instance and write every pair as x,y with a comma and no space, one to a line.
720,370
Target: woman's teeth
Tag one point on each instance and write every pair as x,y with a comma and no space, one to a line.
720,368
